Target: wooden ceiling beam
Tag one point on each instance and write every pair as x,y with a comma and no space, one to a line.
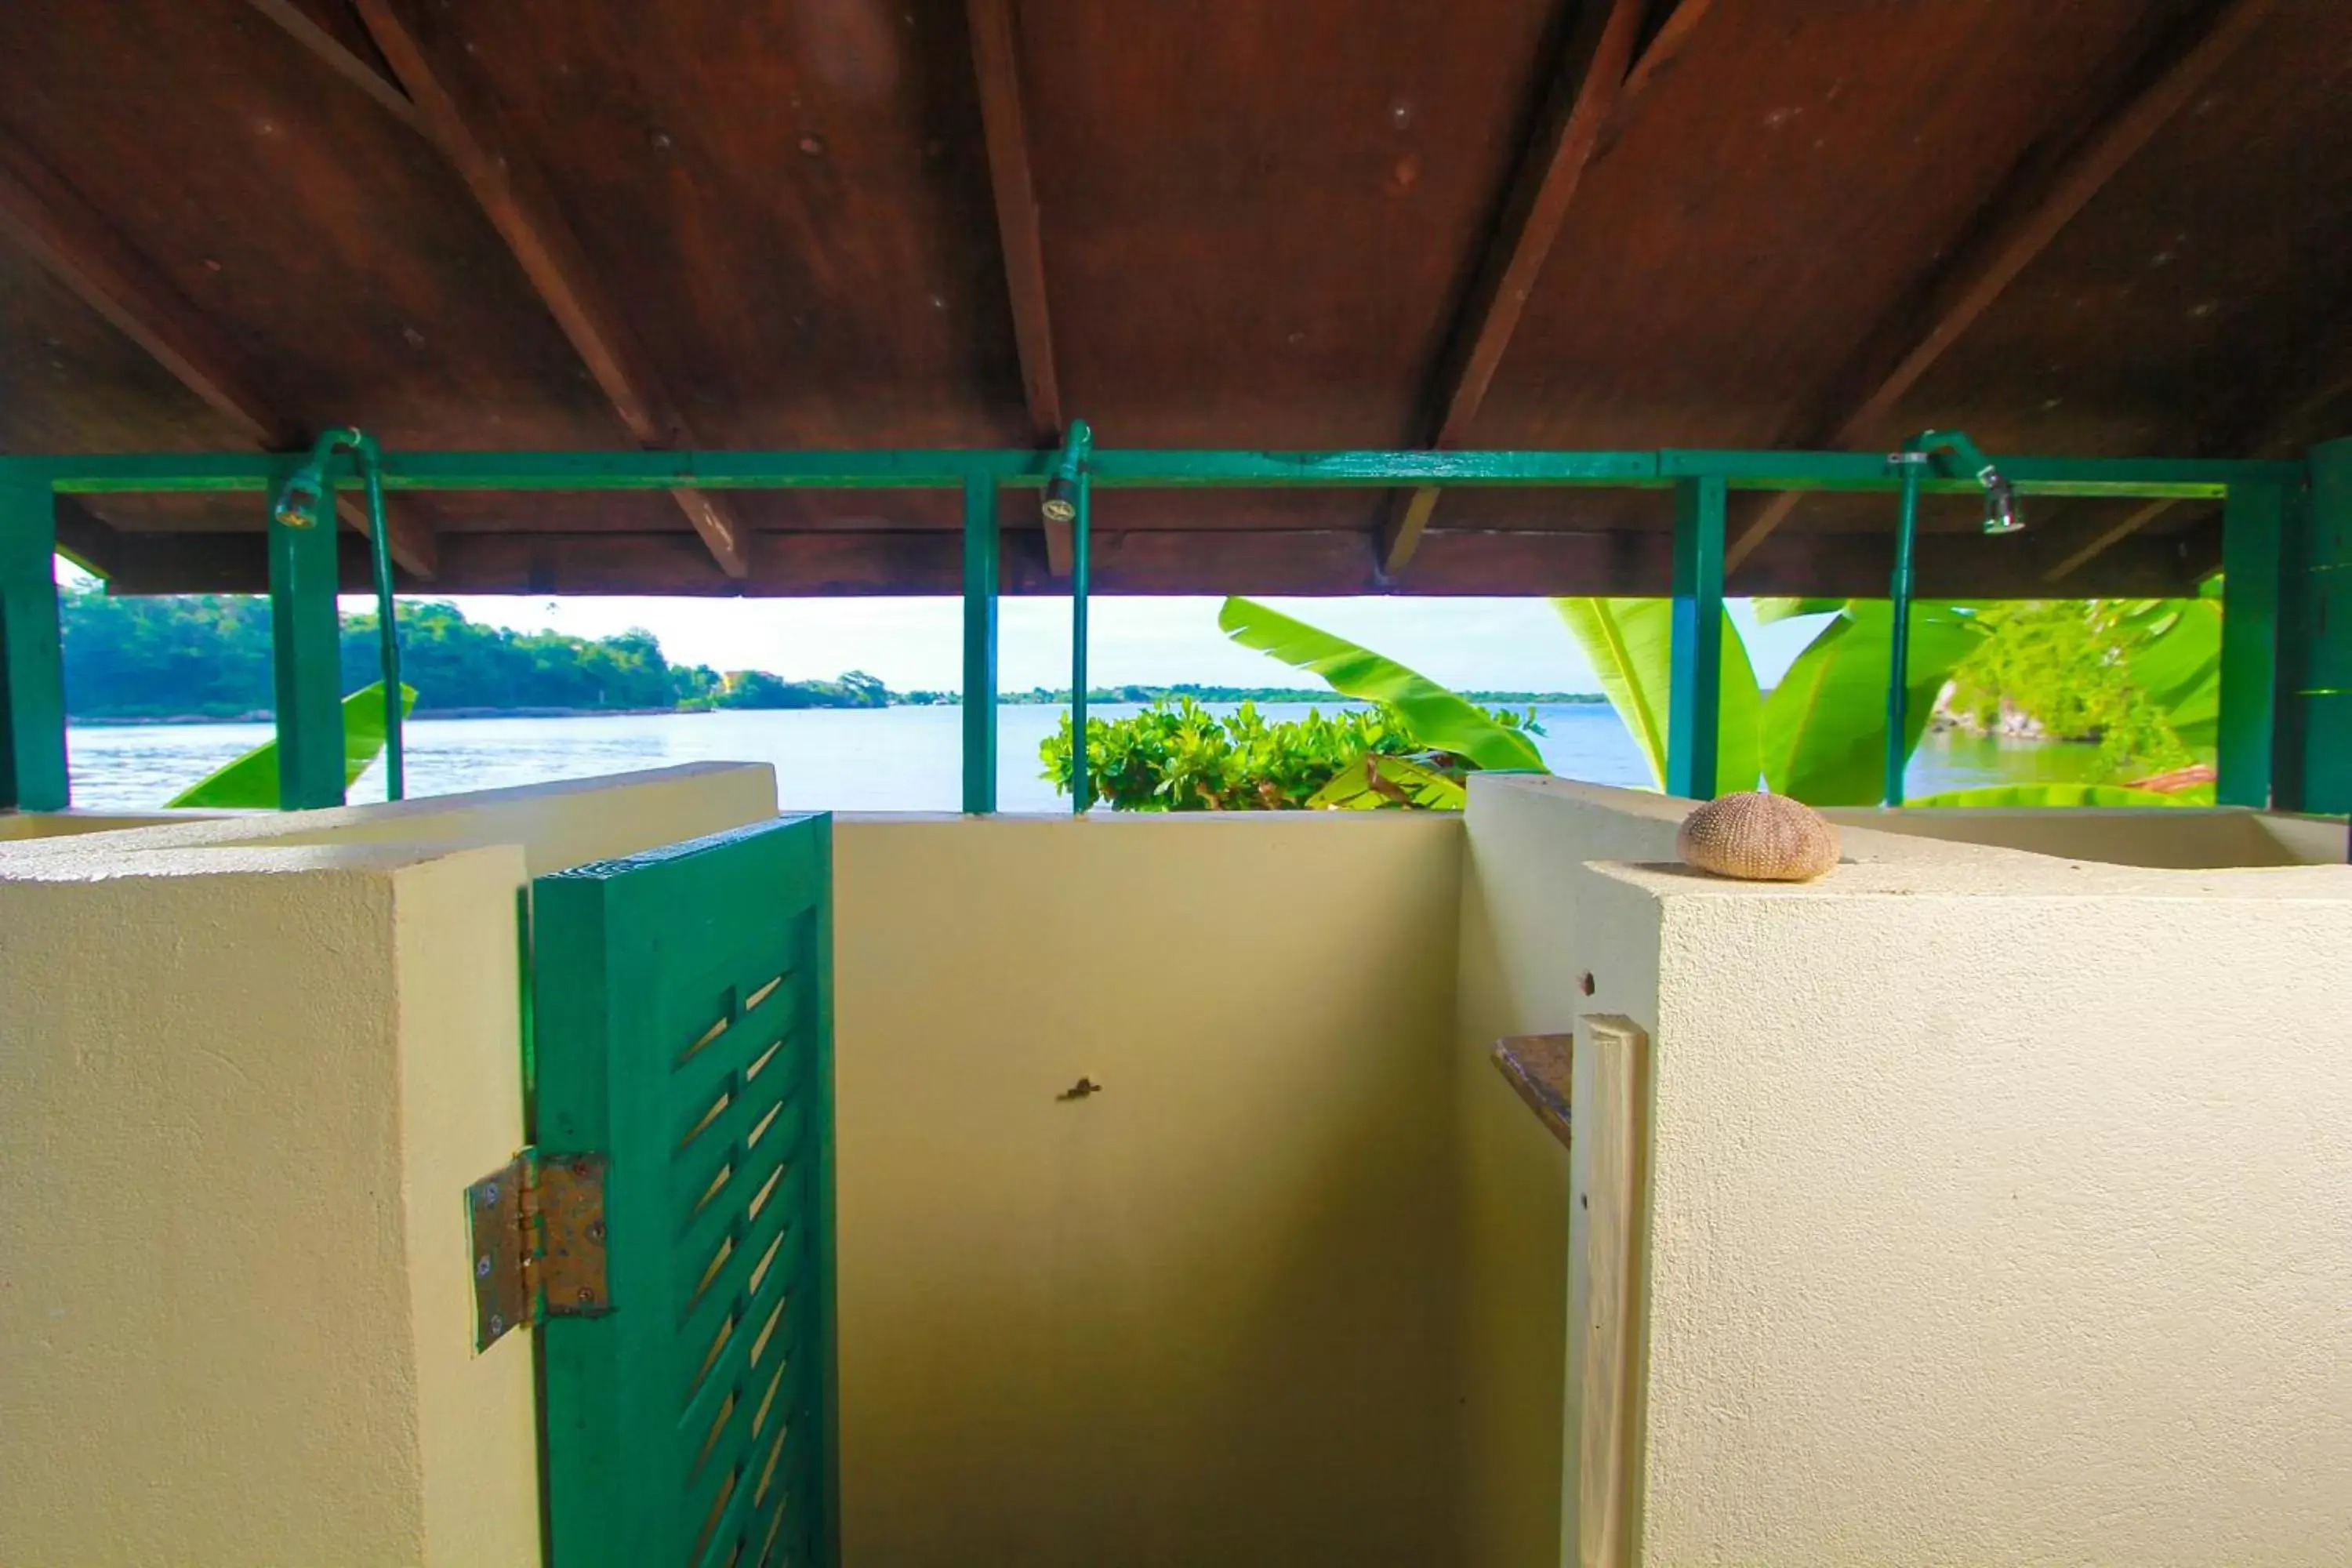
2013,229
75,243
520,205
1275,561
996,63
1593,67
300,24
87,540
2235,429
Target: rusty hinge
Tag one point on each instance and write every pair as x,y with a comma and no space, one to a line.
537,1231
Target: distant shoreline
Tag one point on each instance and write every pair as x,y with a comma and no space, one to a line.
1023,700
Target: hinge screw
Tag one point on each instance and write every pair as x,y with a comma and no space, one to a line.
498,1325
596,1231
482,1266
587,1297
490,1192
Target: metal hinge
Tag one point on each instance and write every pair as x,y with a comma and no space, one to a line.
537,1232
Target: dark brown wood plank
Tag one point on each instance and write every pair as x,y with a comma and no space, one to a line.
2019,225
1292,562
312,27
1770,201
1262,215
522,208
51,221
86,540
1594,64
996,61
1537,1068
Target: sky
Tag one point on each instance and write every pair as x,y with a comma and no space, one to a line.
1508,645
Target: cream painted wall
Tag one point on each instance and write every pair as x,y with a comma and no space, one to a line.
247,1067
2164,837
1528,936
558,824
1207,1315
217,1074
63,823
2002,1218
2001,1210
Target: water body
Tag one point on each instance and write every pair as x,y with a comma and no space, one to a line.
886,758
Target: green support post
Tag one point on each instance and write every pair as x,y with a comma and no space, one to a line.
306,638
33,775
1898,674
1082,795
2252,533
1694,695
2315,715
980,546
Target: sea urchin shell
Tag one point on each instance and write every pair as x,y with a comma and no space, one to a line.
1758,838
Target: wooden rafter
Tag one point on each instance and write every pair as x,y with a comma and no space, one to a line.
341,58
1273,560
520,205
2015,228
1592,68
2242,425
996,62
87,540
61,230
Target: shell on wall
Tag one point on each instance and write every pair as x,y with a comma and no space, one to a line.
1758,837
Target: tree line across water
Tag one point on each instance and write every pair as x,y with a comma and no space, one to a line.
208,657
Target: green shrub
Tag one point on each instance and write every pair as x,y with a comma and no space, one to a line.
1178,756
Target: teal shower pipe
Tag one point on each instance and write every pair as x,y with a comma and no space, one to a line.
303,503
2001,517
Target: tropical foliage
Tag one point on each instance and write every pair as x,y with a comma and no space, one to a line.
1413,748
1178,756
202,656
250,783
2142,677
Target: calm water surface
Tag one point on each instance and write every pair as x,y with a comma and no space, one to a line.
886,759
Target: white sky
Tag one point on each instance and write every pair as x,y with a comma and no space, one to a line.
916,643
1478,644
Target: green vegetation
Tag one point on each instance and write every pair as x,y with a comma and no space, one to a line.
1413,748
250,783
2141,678
207,656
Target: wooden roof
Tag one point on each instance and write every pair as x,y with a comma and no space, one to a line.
2110,227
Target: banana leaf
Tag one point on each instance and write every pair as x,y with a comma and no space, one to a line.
250,783
2178,668
1770,610
1375,781
2056,795
1438,719
1630,644
1824,726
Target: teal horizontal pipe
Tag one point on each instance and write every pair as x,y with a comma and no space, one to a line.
1145,469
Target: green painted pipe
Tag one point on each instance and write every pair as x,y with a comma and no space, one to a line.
1068,499
303,503
1899,691
1929,448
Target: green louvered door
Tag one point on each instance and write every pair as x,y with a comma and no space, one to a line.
684,1030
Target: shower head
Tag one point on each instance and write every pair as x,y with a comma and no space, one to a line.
300,498
1061,501
2001,514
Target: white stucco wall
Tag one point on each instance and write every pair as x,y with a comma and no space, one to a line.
247,1067
2002,1214
2001,1204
